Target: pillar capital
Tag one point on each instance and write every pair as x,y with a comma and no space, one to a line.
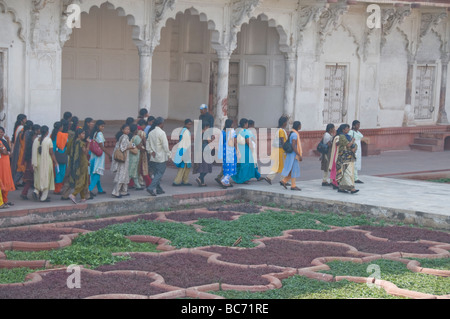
145,50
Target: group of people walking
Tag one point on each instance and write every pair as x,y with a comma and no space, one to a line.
70,159
341,158
42,160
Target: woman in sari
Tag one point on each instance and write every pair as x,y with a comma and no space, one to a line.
6,179
122,176
245,161
278,155
43,160
182,158
135,156
28,176
17,147
79,166
291,169
97,163
17,162
60,138
228,153
345,161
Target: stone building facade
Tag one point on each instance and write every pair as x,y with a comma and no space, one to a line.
384,63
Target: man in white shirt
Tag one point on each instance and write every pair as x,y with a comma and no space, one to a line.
158,148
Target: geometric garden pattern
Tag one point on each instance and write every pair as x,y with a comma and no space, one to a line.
195,272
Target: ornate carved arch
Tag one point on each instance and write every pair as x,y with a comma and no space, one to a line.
5,9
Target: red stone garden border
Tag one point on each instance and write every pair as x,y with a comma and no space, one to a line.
319,264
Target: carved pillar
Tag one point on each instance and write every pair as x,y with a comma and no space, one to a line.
409,81
289,86
145,76
222,88
442,117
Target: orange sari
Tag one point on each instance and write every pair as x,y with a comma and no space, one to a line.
6,180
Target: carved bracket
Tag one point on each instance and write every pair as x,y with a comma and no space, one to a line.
391,18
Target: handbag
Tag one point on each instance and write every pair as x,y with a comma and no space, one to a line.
120,156
322,147
94,147
287,146
61,158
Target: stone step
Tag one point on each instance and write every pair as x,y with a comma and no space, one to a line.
424,147
426,141
437,135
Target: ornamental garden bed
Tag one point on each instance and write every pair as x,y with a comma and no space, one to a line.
240,247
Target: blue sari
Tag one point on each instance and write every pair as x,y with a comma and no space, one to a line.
228,155
246,163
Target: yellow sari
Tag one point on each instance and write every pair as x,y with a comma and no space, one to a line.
278,154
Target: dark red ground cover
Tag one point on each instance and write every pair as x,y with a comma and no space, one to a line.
54,286
279,252
186,270
403,233
99,224
31,235
183,217
241,208
361,242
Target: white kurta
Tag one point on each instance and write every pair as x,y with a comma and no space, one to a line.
44,178
357,135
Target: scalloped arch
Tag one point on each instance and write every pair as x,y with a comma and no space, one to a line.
215,34
284,39
5,9
131,20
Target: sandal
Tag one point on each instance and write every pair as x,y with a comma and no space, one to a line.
4,206
295,188
72,198
199,182
283,184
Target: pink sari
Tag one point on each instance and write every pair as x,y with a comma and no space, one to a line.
333,158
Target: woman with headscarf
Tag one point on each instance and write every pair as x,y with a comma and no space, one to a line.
6,179
345,160
291,169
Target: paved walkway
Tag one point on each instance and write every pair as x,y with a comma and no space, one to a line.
394,192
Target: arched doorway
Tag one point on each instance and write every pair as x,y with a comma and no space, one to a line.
100,67
261,79
180,75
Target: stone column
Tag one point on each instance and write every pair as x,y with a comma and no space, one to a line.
289,85
222,88
408,117
442,117
145,76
